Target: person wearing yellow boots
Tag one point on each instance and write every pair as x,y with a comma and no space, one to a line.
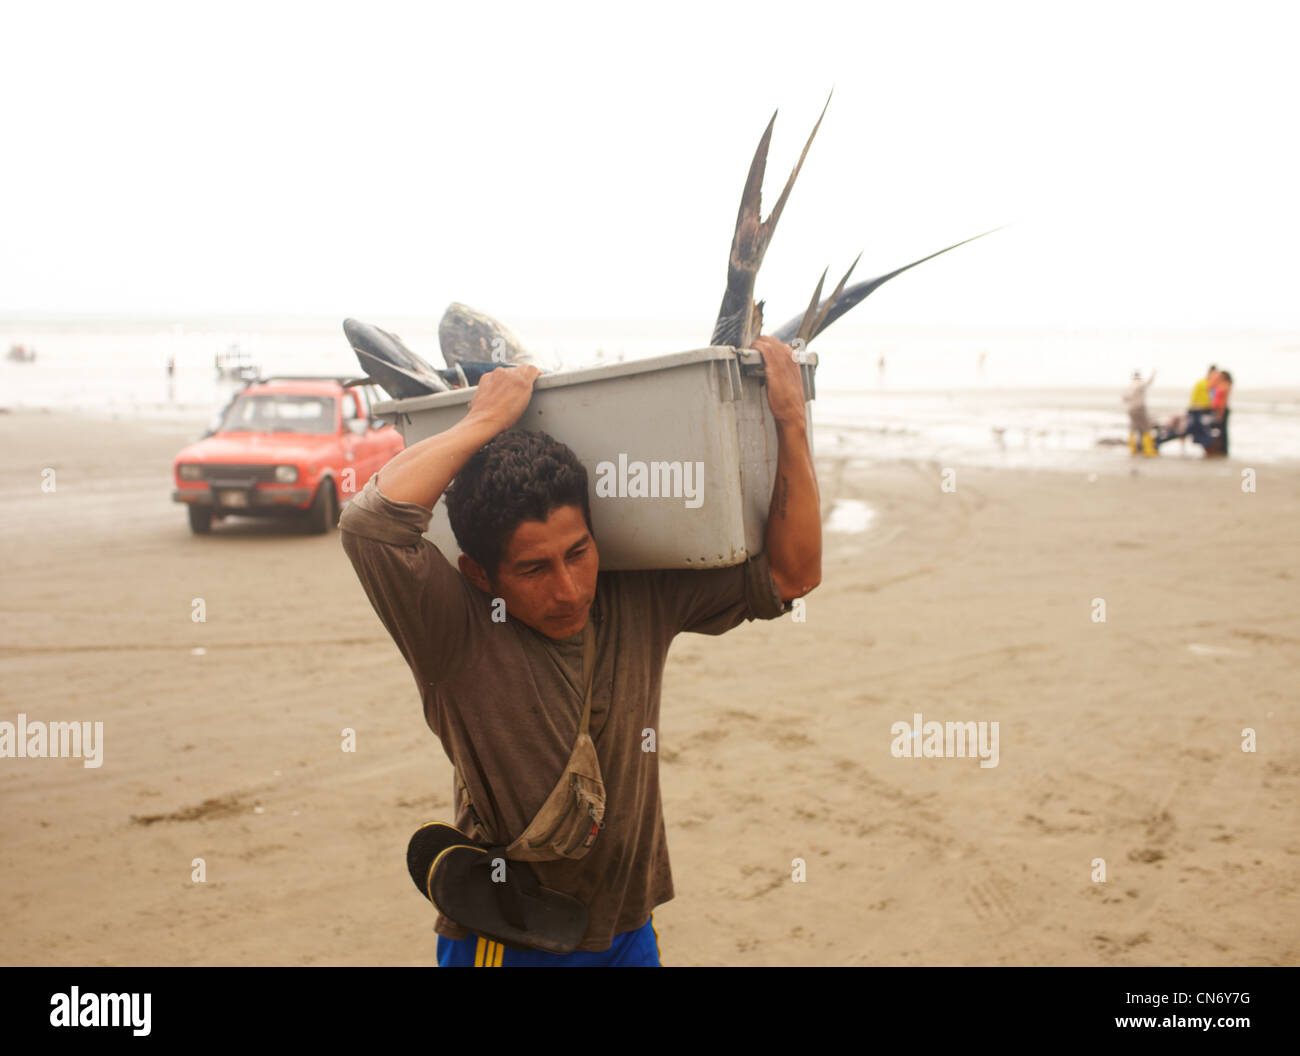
1135,400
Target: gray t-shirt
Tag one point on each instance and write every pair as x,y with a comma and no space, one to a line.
505,700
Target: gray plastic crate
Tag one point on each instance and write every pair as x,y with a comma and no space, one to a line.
704,407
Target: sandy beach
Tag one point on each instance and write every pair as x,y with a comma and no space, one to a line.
1118,740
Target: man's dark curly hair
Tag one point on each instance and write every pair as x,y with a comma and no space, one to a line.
516,476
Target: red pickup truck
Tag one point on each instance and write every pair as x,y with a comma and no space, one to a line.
286,447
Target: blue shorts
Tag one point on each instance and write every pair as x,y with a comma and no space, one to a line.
632,949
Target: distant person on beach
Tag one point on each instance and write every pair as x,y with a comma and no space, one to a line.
1135,400
1198,409
1200,398
497,648
1220,389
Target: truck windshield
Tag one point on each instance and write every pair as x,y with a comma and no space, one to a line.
280,413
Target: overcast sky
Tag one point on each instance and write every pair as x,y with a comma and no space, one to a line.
574,161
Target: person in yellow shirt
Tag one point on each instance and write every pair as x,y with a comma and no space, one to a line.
1200,400
1198,408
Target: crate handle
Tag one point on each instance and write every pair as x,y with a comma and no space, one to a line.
730,388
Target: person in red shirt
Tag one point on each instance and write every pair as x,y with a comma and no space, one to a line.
1220,388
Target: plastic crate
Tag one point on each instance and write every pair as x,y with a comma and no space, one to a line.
706,410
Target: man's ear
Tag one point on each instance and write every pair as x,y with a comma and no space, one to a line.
473,571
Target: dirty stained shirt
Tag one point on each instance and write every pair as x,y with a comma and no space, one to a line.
505,700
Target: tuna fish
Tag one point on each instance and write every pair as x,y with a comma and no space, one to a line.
467,336
740,318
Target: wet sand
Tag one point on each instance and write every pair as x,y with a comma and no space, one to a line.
1118,740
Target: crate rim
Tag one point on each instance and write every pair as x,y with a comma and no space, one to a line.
585,375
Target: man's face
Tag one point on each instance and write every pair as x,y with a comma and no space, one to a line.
547,574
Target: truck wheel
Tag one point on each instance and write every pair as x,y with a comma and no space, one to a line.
200,519
323,514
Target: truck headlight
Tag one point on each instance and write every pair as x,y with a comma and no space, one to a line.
286,474
190,471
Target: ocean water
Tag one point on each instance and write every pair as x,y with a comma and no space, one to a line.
988,397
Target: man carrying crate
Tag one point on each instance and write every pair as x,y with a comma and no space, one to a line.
499,648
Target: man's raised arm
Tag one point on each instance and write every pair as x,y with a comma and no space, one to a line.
793,542
421,473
